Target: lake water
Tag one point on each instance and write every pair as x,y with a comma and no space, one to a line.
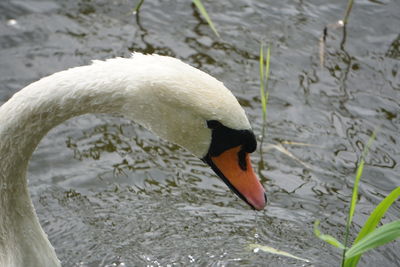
110,193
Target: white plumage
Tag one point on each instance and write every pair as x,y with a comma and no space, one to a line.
170,98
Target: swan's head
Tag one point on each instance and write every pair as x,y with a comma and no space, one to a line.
194,110
229,156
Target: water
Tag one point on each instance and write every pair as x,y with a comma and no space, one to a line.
109,193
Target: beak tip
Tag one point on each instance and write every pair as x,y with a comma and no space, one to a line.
259,205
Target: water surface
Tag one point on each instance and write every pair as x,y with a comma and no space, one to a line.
109,193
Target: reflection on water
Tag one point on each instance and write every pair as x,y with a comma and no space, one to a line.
109,192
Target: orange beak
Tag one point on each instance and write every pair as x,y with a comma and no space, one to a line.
243,182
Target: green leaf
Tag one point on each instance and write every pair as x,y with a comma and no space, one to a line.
327,238
355,189
204,13
355,193
380,236
373,221
377,214
358,176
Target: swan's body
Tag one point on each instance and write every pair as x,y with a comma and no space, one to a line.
177,102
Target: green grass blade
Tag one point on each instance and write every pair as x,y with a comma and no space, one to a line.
327,238
380,236
138,6
358,176
204,13
373,221
262,81
378,213
264,77
265,105
355,192
266,92
267,67
261,69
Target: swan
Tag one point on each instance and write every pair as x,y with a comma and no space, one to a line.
177,102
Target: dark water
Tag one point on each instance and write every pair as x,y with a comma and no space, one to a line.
109,193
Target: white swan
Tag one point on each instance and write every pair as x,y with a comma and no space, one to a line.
174,100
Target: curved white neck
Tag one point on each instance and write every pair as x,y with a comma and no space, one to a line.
24,120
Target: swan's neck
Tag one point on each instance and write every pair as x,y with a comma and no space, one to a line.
37,108
24,120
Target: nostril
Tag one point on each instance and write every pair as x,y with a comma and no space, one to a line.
265,197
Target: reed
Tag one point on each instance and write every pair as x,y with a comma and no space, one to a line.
138,6
347,12
339,24
205,15
264,78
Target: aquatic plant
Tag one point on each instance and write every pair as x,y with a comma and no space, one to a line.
204,13
369,236
199,6
138,6
339,24
264,77
347,12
